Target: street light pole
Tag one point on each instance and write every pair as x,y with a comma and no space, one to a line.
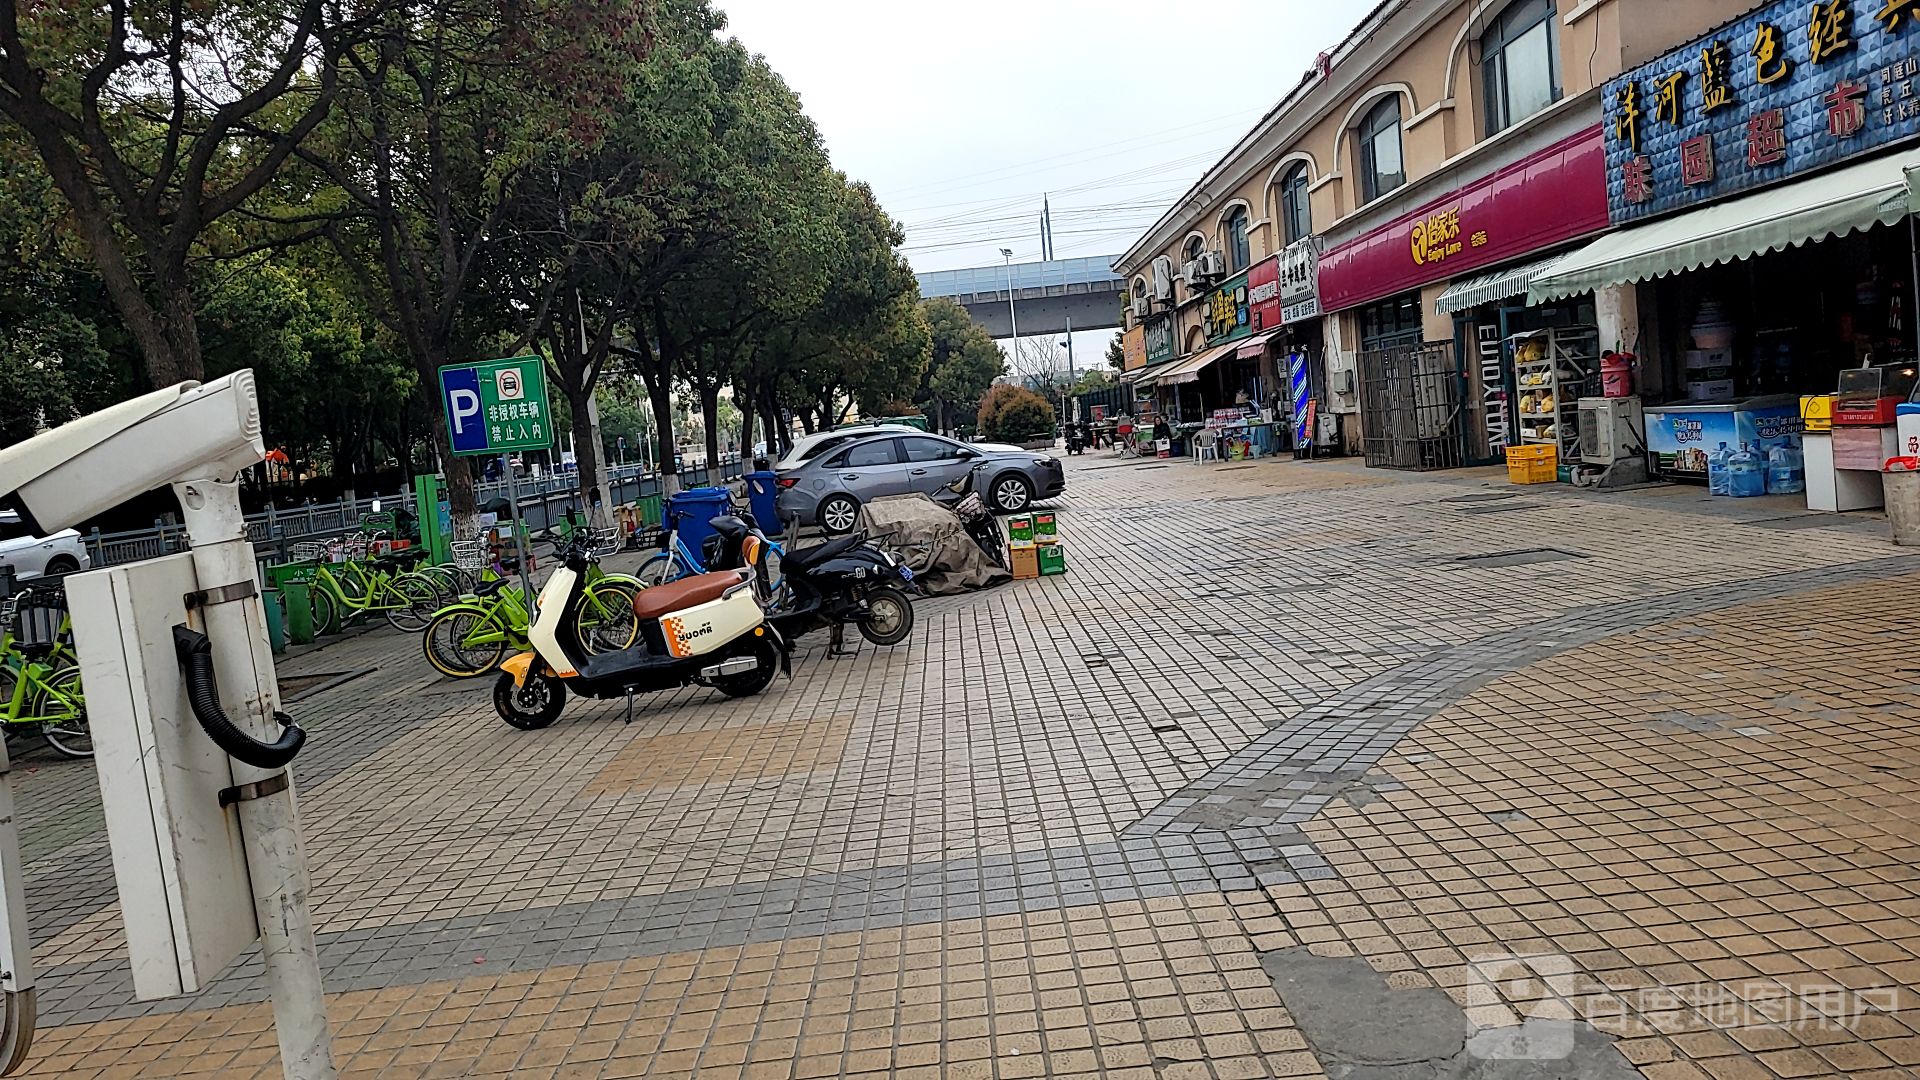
1012,321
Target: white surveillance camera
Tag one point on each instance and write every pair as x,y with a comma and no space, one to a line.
189,431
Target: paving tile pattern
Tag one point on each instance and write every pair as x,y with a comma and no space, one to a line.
1070,785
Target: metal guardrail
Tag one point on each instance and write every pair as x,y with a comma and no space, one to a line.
276,530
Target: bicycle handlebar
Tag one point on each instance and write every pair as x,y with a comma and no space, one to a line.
196,662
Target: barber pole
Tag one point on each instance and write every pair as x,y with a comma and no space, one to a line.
1302,422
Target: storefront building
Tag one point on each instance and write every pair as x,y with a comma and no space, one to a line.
1396,169
1758,178
1443,399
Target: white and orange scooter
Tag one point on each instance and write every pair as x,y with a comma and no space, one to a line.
708,629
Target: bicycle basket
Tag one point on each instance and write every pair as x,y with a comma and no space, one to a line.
38,614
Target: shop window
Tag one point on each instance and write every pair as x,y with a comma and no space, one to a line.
1391,322
1519,63
1237,255
1295,208
1381,166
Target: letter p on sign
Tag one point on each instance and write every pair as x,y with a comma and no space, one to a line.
460,392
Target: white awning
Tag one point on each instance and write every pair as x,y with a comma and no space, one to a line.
1498,285
1774,219
1188,370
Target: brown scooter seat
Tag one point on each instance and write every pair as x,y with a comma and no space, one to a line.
658,600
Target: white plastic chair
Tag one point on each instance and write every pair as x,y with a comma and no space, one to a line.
1206,445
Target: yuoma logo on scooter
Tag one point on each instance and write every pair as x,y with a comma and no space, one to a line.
680,636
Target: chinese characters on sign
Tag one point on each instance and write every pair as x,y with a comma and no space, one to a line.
1436,236
1224,315
1767,138
1159,339
1822,82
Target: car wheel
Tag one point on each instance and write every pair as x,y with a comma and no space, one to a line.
838,514
62,564
1011,493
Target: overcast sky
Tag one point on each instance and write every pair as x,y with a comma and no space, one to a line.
961,115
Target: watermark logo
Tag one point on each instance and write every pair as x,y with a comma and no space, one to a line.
1545,990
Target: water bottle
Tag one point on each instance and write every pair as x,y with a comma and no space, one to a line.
1746,473
1717,471
1786,469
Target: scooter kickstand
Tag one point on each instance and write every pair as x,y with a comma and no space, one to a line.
836,639
629,707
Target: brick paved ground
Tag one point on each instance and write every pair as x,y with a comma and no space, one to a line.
1301,771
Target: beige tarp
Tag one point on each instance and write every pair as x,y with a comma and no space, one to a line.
932,540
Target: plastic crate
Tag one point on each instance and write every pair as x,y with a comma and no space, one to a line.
1537,464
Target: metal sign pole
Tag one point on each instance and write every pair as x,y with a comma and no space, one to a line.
519,539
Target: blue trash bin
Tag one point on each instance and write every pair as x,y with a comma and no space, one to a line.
690,511
761,490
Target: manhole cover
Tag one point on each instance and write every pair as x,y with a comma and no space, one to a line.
1520,557
1489,496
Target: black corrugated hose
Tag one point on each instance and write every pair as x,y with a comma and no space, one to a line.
196,661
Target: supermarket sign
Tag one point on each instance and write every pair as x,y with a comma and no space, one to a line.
1790,87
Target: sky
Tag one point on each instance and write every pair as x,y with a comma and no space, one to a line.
962,115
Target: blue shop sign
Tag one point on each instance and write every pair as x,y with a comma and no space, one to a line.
1790,87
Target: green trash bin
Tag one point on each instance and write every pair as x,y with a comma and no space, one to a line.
276,620
297,598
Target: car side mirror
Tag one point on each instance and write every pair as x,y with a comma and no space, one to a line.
965,455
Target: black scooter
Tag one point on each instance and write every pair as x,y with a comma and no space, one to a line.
1074,441
846,580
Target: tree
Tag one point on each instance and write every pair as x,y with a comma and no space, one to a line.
964,362
1014,414
448,104
1116,354
156,121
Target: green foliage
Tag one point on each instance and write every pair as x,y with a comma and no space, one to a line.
1014,414
964,360
1116,354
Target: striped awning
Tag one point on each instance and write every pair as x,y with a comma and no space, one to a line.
1877,191
1497,285
1189,370
1251,347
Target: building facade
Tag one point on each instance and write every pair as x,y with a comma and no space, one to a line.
1358,260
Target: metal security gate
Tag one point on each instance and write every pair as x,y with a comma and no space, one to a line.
1410,407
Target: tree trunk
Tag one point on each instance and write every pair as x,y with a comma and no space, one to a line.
661,399
710,411
586,456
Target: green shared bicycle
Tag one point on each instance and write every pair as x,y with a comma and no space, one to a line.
40,674
366,586
472,636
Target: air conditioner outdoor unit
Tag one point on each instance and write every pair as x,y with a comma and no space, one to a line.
1613,435
1190,273
1140,304
1212,264
1163,278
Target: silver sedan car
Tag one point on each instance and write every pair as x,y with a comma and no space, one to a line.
829,490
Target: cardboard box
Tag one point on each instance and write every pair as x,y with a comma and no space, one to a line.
1024,561
1020,528
1045,529
1053,559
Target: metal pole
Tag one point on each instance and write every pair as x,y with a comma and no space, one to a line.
270,824
519,541
1069,351
1913,249
1012,320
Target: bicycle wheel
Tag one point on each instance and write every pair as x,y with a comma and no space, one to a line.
62,699
451,648
326,613
445,585
605,620
418,602
658,570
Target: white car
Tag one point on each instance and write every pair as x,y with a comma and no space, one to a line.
33,556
